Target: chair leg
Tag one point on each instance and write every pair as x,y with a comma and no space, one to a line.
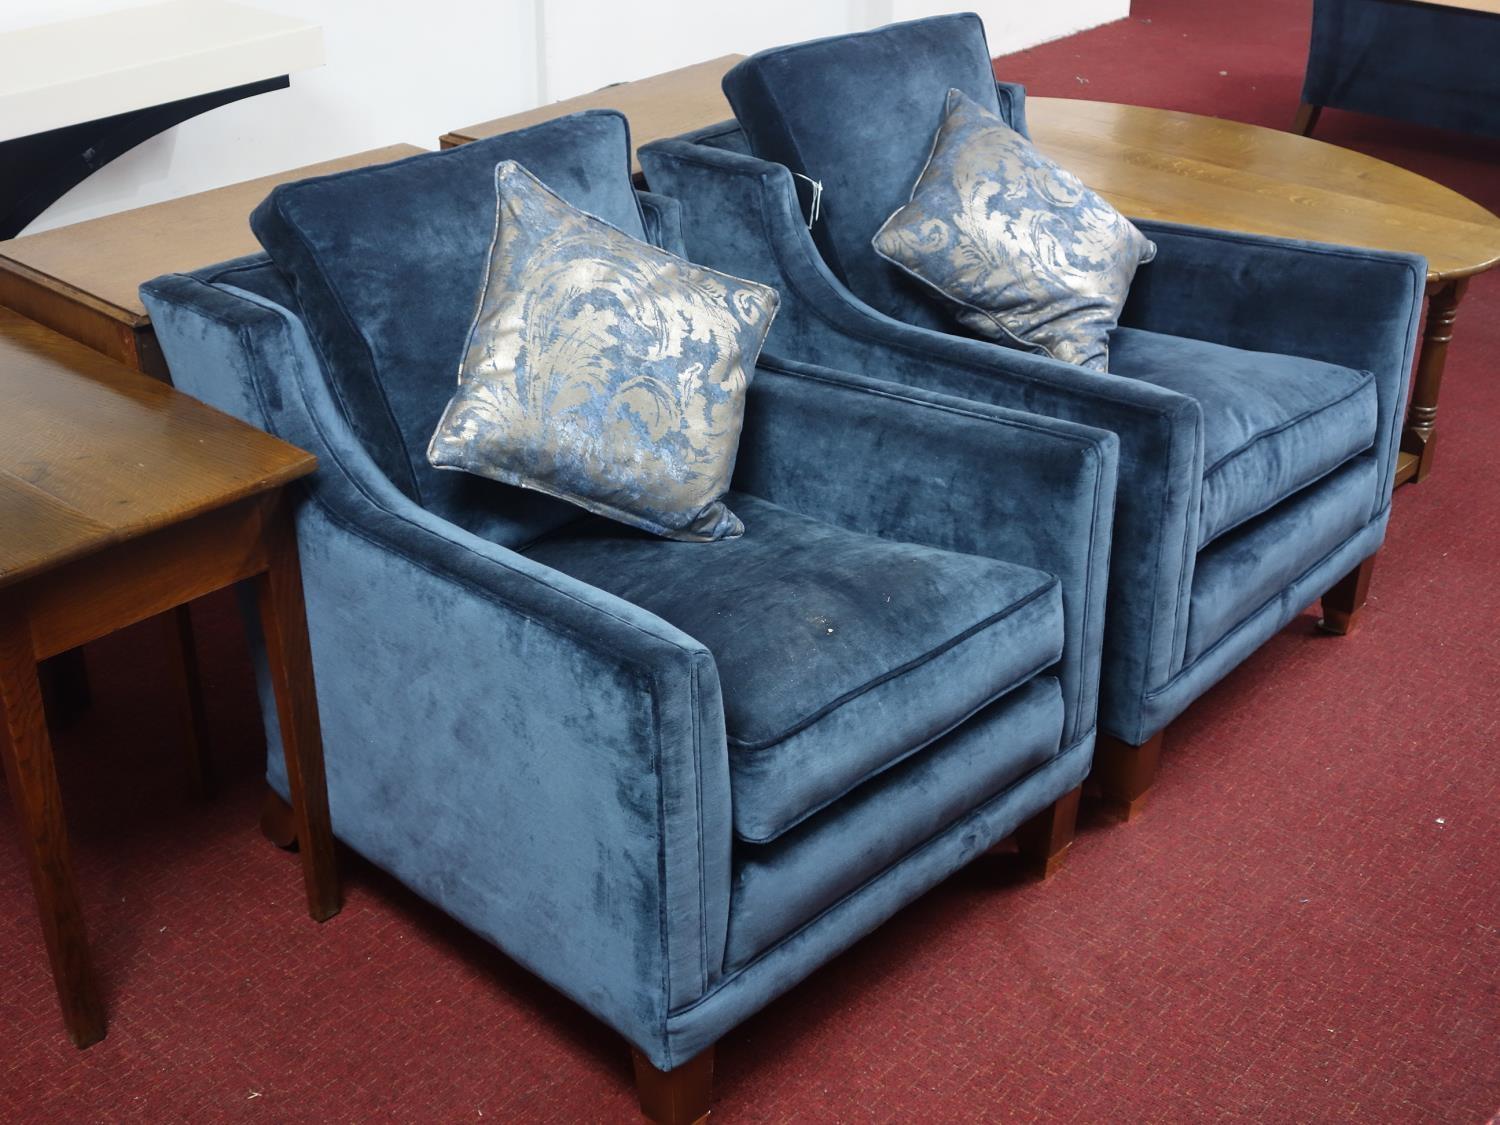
1044,840
277,821
1306,119
1125,773
675,1097
1345,598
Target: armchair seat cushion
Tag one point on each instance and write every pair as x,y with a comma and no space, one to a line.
1272,424
838,653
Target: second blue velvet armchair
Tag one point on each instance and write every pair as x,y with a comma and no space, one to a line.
1256,384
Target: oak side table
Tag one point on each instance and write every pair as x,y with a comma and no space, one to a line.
663,105
120,499
81,280
1206,171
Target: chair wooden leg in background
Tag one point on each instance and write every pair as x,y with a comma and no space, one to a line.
1125,773
1345,599
1306,119
1044,840
277,821
675,1097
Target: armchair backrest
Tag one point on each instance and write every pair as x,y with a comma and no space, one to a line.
384,264
858,113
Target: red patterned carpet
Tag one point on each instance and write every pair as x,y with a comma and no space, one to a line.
1304,927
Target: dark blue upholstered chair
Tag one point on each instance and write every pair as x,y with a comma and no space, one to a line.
671,779
1432,63
1256,384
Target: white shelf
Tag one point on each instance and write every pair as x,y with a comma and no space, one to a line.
58,74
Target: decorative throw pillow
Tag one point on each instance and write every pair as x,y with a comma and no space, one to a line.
603,370
1027,253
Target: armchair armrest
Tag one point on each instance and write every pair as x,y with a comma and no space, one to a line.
1358,308
740,214
928,468
531,753
1013,106
663,216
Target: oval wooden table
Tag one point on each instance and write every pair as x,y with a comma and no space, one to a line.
1205,171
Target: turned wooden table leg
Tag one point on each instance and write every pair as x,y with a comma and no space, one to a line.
1418,436
675,1097
182,659
32,779
283,620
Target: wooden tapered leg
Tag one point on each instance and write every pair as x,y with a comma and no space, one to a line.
1345,599
1044,840
277,821
32,779
283,620
675,1097
182,661
1125,773
1306,119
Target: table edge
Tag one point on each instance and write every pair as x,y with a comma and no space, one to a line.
292,473
1434,276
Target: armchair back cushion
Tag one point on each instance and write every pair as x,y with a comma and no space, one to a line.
387,262
858,113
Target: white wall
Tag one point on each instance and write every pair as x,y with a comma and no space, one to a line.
410,70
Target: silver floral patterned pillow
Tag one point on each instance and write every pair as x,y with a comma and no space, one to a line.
602,370
1027,253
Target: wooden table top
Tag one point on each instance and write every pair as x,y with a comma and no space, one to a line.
101,262
93,454
1205,171
1490,6
663,105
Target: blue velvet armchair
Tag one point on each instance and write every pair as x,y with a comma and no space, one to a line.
1431,63
1255,384
672,779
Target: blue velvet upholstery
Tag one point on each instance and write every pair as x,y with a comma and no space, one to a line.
1342,320
838,653
778,886
832,109
549,761
1272,424
1434,64
388,262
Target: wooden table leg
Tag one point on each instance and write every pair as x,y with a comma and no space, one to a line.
1418,436
182,658
32,778
283,620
